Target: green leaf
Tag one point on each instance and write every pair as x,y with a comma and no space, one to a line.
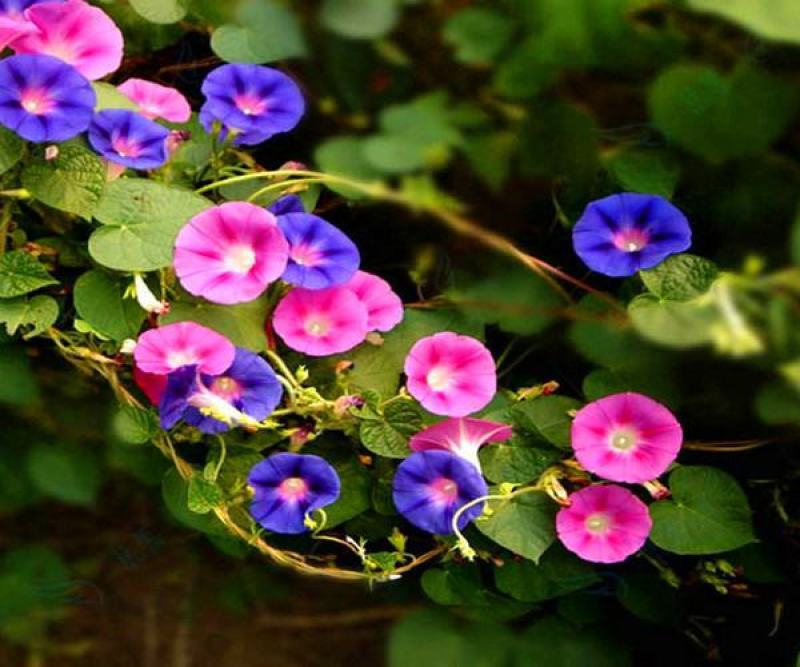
141,220
21,273
641,170
243,324
778,20
133,425
160,11
523,524
490,156
549,417
708,513
653,380
65,472
19,386
35,315
554,642
99,301
73,181
387,434
650,598
518,76
478,35
34,582
175,492
11,149
344,156
359,19
264,32
678,324
518,461
108,97
680,277
702,111
557,573
354,498
203,496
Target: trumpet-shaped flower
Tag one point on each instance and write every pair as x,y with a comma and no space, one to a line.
75,32
604,524
321,322
156,101
243,395
320,255
624,233
626,438
43,99
463,436
451,375
384,307
230,253
287,487
430,487
168,348
253,101
128,138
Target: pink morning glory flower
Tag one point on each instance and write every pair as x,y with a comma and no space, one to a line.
321,322
451,375
156,101
626,438
153,386
168,348
384,307
604,524
463,436
230,253
77,33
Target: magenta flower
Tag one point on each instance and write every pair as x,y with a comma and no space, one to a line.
156,101
626,438
230,253
451,375
287,487
12,20
384,307
463,436
321,322
168,348
604,524
77,33
430,487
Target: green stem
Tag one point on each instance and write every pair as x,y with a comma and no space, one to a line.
19,193
223,451
283,368
283,185
5,222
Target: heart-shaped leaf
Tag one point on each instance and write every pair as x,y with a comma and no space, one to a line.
523,524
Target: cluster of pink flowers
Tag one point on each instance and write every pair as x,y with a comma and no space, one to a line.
627,438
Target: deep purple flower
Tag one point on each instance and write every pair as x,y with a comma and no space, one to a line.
248,390
286,204
320,255
289,486
256,102
128,138
624,233
429,487
44,99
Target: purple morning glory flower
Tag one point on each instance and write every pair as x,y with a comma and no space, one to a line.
286,204
625,233
128,138
289,486
44,99
248,390
429,487
256,102
320,255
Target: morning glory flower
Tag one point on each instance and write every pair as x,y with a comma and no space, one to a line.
604,523
156,101
287,487
430,487
625,233
129,139
43,99
253,101
384,307
462,436
167,348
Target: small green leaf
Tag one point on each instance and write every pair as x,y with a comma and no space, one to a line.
11,149
35,315
708,513
108,97
160,11
680,277
99,301
478,35
387,434
549,417
359,19
21,273
523,524
777,20
73,181
203,496
65,472
175,492
133,425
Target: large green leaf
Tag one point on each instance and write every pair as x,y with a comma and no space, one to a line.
359,19
678,324
387,433
518,461
34,315
707,514
140,220
65,472
701,110
161,11
99,300
73,181
478,35
549,416
523,524
654,171
21,273
778,20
